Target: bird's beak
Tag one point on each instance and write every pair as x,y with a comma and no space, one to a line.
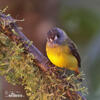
49,40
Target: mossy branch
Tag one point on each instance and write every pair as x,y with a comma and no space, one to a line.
63,85
8,27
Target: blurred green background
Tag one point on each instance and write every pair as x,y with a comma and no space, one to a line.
79,18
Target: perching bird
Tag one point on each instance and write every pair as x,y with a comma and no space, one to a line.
61,50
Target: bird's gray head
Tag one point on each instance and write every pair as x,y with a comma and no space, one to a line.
56,35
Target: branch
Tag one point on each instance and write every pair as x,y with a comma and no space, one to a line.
8,26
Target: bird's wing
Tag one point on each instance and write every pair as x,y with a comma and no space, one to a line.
74,51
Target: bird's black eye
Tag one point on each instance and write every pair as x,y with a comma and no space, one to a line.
58,36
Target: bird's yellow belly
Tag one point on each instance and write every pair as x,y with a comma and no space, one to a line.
57,59
60,58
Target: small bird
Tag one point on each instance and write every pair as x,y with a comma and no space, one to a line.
62,51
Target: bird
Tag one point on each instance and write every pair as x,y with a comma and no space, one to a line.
62,51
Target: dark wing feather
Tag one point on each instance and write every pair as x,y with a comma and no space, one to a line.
74,51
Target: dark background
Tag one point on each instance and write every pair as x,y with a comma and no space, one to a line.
79,18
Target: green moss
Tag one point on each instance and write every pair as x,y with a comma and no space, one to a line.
19,68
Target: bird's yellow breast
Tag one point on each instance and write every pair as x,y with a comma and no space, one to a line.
60,55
